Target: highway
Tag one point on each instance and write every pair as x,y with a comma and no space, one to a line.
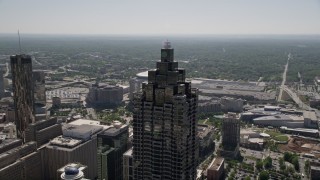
284,78
296,98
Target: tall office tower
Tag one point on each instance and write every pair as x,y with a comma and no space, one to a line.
1,83
164,123
21,68
39,88
230,135
40,109
112,143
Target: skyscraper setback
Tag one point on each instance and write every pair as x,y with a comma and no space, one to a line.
21,69
164,123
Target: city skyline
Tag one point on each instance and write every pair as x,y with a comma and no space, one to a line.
162,17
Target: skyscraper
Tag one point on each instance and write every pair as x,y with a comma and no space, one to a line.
164,123
21,68
1,83
112,143
39,88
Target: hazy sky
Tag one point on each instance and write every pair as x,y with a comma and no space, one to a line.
160,16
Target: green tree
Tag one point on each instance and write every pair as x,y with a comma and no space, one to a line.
247,178
287,156
264,175
282,164
268,162
295,162
290,170
307,167
259,164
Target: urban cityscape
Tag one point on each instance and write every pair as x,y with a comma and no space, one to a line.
174,106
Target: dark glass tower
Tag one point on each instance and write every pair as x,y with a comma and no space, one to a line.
164,123
22,82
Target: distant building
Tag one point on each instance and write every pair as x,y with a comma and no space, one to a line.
56,101
290,121
136,83
230,135
209,107
104,95
215,170
310,119
314,102
300,131
112,143
250,91
229,104
21,68
128,165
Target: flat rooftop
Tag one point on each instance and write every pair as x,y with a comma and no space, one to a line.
65,142
83,131
113,131
89,122
280,117
216,163
301,130
310,115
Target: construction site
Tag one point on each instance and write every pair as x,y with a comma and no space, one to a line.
301,145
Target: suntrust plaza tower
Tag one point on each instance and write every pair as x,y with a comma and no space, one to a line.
164,123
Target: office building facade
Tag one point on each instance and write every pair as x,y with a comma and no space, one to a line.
22,83
230,135
112,143
164,123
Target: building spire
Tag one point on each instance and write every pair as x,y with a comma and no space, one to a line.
166,45
19,42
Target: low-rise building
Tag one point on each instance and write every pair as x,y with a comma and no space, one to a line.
315,172
43,131
22,162
310,119
215,170
206,140
291,121
300,131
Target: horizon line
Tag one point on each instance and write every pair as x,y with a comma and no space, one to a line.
163,34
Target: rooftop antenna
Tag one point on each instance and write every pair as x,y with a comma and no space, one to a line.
19,41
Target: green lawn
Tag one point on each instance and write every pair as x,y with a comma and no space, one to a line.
281,138
273,133
201,121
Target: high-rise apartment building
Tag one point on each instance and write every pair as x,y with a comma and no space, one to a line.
230,135
164,123
22,82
